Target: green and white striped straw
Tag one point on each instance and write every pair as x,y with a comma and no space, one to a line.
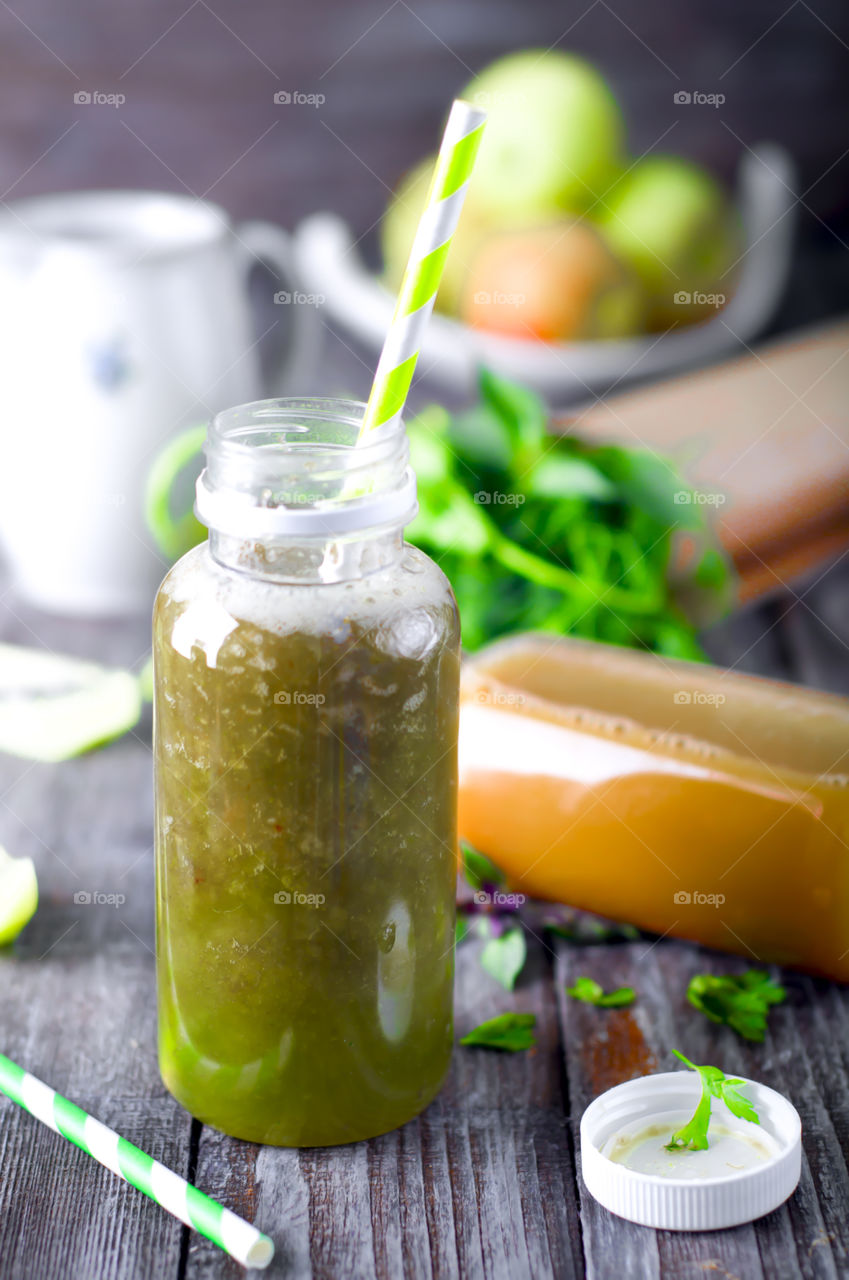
425,265
231,1233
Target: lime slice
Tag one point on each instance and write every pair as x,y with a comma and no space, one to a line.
53,707
18,895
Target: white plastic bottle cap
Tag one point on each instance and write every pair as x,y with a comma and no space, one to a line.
724,1193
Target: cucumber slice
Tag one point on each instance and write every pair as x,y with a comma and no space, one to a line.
53,707
18,895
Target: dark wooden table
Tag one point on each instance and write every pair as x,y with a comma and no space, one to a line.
486,1183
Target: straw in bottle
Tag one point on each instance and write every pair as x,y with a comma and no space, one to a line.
425,266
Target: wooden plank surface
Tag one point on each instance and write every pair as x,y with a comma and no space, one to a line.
77,1009
486,1183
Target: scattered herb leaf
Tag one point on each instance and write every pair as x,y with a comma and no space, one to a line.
509,1031
741,1001
478,870
504,957
591,992
715,1084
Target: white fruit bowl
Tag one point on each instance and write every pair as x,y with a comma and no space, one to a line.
329,265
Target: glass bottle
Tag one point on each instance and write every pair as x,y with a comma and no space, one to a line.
306,699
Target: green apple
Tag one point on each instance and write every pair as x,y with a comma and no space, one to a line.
398,229
553,141
671,221
18,895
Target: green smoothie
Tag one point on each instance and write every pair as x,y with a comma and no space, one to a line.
305,743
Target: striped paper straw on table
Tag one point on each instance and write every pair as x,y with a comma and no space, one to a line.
425,266
232,1234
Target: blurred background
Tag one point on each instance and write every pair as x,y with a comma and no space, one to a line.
200,117
281,111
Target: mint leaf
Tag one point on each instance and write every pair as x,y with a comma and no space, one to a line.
503,958
742,1002
509,1031
591,992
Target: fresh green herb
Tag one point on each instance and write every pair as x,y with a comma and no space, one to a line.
461,928
715,1084
591,992
557,534
503,957
510,1031
742,1001
494,915
478,870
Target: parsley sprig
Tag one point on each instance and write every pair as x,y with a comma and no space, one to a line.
558,533
693,1135
742,1001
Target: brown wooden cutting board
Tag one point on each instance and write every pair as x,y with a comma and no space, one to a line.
764,438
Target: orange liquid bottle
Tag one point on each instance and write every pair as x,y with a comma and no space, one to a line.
686,799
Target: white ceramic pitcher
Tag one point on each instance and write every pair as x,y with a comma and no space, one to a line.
124,317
